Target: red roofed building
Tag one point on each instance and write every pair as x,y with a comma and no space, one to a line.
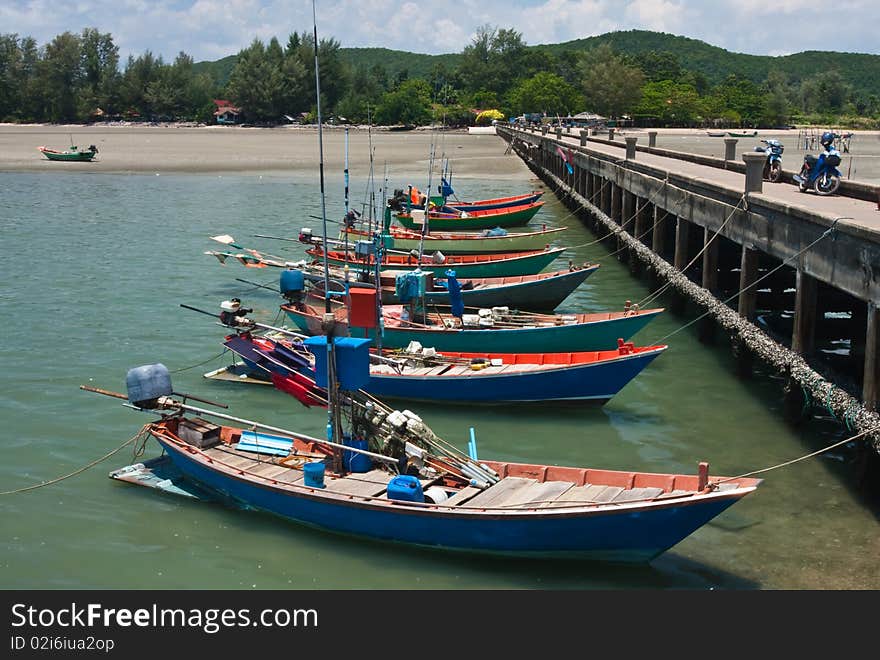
226,113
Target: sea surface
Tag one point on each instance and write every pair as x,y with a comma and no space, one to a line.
94,269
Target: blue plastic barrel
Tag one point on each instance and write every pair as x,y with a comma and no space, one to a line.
353,461
313,474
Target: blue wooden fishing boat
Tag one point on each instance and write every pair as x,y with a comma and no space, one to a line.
423,374
399,482
490,330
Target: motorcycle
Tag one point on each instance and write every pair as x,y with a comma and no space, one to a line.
820,174
773,164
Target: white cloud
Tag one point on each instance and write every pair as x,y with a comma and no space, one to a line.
210,29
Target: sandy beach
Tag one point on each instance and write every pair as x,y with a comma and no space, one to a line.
288,150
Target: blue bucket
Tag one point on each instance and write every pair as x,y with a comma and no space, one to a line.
313,474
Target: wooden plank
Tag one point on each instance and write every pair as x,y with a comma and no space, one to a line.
581,494
632,494
292,476
608,494
270,471
538,494
462,496
231,459
367,484
500,490
674,493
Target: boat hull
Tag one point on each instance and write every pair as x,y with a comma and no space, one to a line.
524,264
592,336
546,293
473,244
503,218
488,204
620,534
592,382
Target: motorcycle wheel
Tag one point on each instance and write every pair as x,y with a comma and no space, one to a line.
827,184
775,173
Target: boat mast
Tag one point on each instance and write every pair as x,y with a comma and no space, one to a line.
334,427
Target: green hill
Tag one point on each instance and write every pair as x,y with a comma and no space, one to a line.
861,71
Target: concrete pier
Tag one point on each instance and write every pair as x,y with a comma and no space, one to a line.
760,243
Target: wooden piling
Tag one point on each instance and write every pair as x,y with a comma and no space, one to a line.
870,378
747,275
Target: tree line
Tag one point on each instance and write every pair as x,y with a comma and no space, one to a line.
69,78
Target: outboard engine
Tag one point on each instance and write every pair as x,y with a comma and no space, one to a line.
305,235
233,314
292,285
146,384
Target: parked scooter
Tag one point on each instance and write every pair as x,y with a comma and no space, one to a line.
773,164
821,174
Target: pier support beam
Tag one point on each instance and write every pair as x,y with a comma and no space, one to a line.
616,195
659,226
641,222
605,196
710,261
803,339
871,375
747,275
682,229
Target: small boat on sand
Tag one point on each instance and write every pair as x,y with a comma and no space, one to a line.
74,153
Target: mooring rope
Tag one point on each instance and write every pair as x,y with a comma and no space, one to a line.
658,292
193,366
801,458
142,433
620,228
828,232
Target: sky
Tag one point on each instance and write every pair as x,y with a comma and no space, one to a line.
212,29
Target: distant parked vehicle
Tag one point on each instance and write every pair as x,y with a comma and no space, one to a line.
773,163
821,173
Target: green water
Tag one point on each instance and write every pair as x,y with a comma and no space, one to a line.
94,270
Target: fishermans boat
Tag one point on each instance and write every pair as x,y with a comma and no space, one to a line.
420,373
454,220
538,292
394,480
487,241
72,154
716,133
501,264
417,200
742,135
487,330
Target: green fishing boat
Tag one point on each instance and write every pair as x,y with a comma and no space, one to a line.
501,330
72,154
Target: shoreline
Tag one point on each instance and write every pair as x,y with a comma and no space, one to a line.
288,150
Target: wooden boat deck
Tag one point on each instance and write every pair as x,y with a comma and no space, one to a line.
511,492
524,492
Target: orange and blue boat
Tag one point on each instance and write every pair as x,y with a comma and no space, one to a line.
421,374
396,481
